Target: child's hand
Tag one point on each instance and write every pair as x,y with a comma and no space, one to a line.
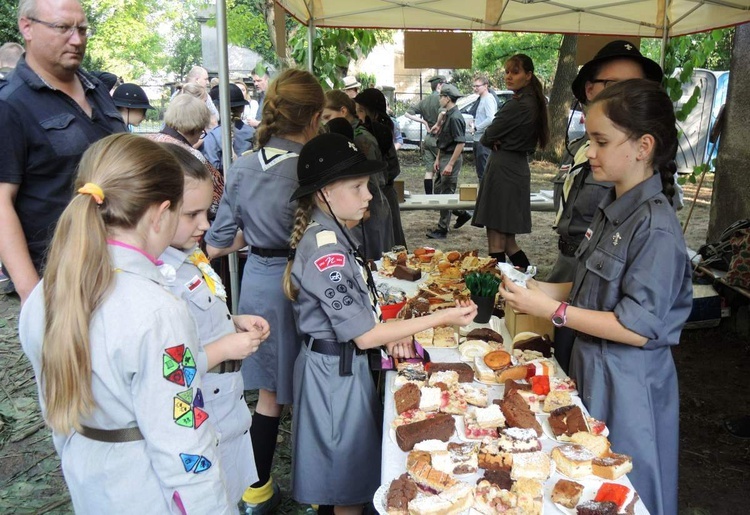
462,314
245,323
241,345
531,300
403,348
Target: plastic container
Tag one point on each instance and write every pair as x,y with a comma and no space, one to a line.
391,310
484,308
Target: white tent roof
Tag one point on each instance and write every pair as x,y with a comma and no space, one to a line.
644,18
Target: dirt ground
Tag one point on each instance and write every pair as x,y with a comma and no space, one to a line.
712,365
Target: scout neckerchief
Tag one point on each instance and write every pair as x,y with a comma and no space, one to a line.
213,281
578,162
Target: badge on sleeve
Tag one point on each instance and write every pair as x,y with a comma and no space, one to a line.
589,233
193,283
335,276
326,238
330,261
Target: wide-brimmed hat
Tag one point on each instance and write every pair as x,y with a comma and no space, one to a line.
236,97
451,91
372,99
328,158
438,78
341,126
350,82
131,96
619,49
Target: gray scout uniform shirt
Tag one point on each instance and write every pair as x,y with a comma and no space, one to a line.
256,198
223,393
633,262
146,373
335,302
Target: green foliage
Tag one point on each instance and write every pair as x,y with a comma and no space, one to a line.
491,50
482,284
333,50
8,23
368,80
463,79
247,27
186,51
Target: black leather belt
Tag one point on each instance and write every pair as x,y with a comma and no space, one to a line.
226,367
588,338
269,252
130,434
345,351
567,248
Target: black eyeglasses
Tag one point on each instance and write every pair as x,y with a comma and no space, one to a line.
477,85
61,29
604,82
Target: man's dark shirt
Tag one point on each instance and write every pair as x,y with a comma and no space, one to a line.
43,134
453,131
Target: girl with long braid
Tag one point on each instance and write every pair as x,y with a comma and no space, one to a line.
632,290
256,202
336,429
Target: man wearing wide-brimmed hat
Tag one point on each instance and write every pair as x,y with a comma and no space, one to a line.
351,86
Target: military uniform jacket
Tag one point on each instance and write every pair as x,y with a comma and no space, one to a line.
453,132
429,108
514,127
146,372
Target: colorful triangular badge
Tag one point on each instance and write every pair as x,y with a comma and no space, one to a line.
203,465
198,398
189,375
169,365
189,460
180,408
200,417
186,396
187,359
176,352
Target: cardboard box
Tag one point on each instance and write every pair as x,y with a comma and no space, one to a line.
398,185
468,192
520,322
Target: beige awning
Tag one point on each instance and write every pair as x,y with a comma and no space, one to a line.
644,18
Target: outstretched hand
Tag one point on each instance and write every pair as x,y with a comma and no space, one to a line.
531,300
463,314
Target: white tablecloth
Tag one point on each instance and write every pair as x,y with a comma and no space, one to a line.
541,201
394,459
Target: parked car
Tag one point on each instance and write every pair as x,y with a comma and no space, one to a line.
414,132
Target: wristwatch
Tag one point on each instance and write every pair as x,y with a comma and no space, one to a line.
559,319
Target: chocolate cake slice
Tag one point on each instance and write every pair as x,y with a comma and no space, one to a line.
407,397
402,490
538,343
464,371
567,420
440,427
518,414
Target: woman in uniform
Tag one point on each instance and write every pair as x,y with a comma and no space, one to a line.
375,233
336,426
504,200
256,202
112,349
632,291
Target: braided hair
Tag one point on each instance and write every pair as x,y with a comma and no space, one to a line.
291,102
302,217
641,106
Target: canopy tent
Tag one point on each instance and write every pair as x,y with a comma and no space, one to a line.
643,18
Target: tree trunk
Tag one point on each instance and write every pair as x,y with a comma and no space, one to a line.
560,98
731,196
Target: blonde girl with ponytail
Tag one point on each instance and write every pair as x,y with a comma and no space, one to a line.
255,211
336,425
115,355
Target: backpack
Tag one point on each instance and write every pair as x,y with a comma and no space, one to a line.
718,254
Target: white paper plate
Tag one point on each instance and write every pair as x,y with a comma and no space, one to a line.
590,487
378,500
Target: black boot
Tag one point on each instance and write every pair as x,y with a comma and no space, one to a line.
428,186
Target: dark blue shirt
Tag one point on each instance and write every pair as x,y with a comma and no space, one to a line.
43,133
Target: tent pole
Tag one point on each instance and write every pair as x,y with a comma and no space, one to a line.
310,39
664,35
226,128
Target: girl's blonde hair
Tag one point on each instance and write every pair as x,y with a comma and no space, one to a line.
134,173
187,115
302,217
291,102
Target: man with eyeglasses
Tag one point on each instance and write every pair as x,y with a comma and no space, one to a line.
577,194
50,112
